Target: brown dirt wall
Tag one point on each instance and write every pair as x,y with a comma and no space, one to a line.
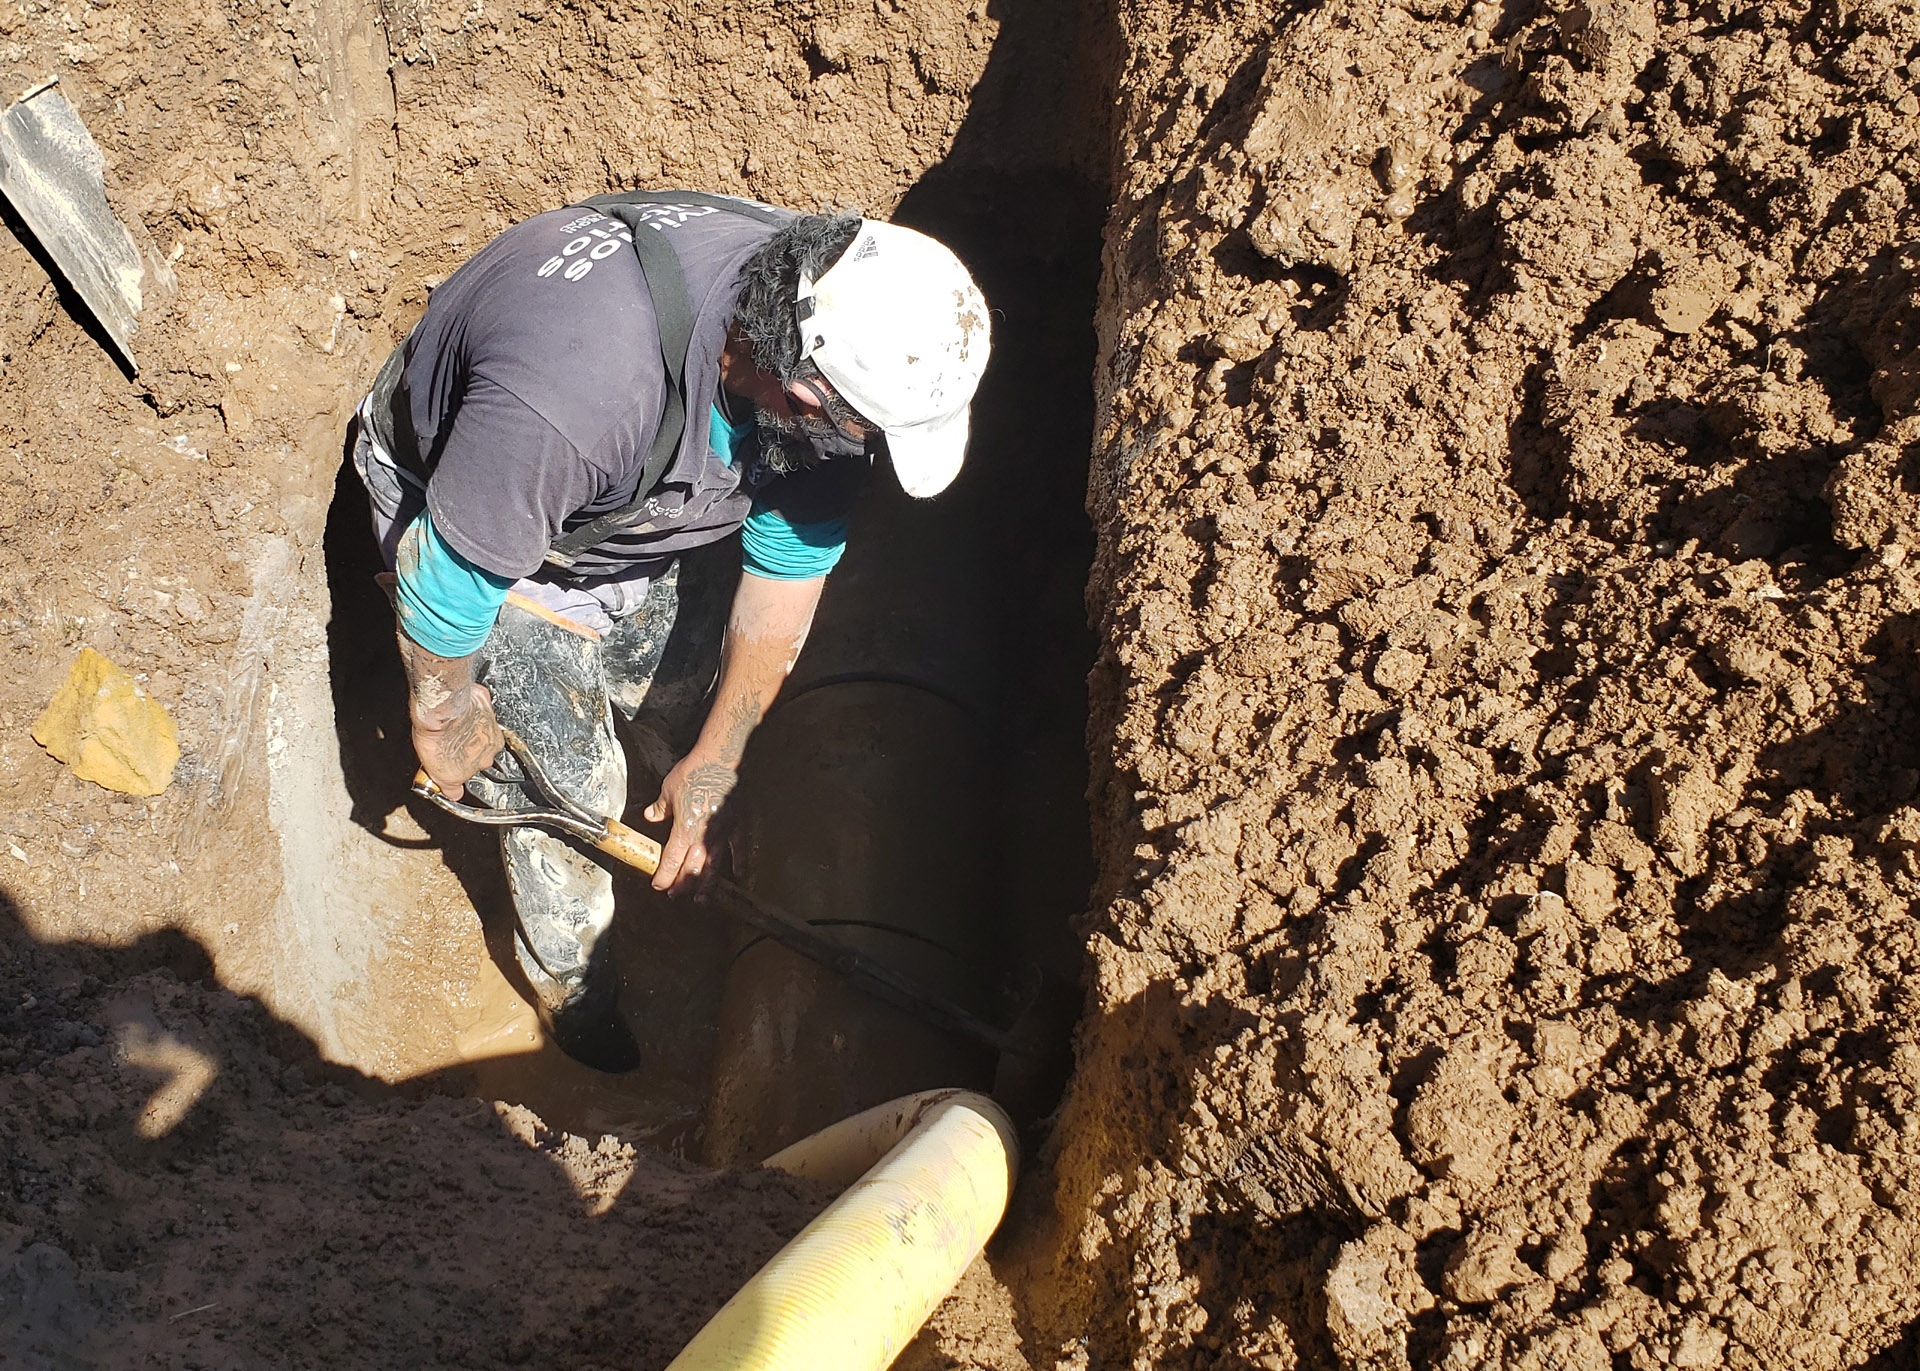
202,993
309,170
1504,734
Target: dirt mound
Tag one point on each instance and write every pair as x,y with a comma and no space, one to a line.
184,1182
1505,736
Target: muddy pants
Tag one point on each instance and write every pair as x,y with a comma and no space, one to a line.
561,661
557,688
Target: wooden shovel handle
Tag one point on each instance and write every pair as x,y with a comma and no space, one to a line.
634,848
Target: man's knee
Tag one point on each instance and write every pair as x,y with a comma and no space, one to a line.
564,903
632,653
549,687
671,706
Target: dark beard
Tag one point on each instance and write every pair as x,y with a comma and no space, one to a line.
794,442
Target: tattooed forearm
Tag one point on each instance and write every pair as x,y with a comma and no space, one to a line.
743,712
470,733
454,731
440,688
765,631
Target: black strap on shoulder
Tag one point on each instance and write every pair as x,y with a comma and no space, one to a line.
673,317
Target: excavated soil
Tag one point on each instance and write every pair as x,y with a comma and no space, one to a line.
1503,735
1505,728
187,1184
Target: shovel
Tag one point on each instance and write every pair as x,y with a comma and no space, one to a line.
51,172
637,850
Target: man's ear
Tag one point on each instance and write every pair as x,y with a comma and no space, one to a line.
739,372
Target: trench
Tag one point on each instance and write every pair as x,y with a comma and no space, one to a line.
918,790
299,935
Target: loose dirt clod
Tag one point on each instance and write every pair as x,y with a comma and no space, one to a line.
110,731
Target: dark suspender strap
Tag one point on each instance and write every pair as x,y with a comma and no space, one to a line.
673,316
390,421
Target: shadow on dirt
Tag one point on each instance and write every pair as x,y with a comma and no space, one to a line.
185,1181
1742,463
1900,1356
1022,198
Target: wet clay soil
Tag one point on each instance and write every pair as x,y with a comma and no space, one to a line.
1504,772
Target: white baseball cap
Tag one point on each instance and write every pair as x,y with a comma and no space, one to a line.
899,329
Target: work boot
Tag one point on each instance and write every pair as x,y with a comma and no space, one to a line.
563,903
588,1027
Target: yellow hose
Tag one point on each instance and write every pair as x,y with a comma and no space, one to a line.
856,1284
843,1152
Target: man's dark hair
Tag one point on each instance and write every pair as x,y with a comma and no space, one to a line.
771,278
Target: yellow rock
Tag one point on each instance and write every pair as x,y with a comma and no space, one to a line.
109,730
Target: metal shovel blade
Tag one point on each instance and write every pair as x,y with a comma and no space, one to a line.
51,171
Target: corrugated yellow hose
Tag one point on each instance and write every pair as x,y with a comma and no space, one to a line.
856,1284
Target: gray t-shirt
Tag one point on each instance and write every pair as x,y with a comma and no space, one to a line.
533,387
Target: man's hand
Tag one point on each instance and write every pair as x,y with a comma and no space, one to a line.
452,752
454,731
765,632
692,795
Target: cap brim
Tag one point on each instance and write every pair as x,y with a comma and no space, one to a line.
926,457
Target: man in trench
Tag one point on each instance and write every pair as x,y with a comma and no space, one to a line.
576,412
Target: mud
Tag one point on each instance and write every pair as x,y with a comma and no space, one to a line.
1504,775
